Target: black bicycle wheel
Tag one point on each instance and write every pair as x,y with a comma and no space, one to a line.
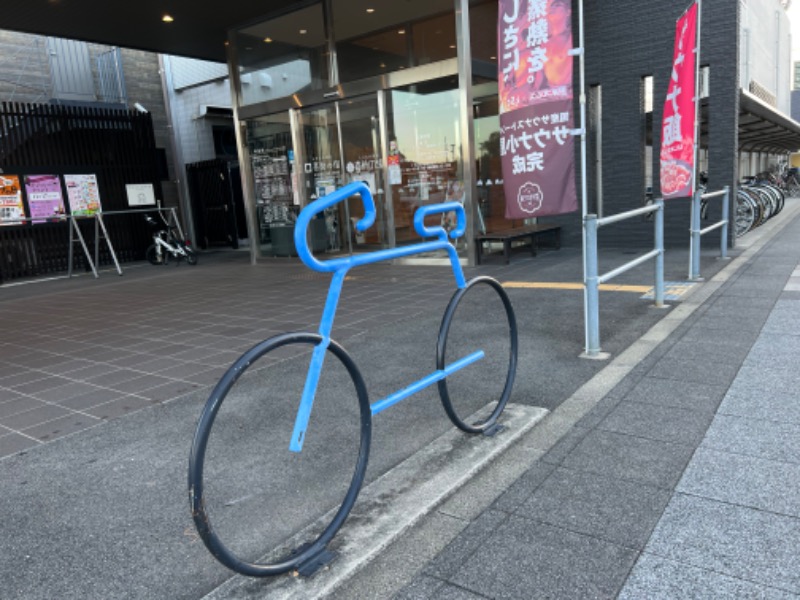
191,256
478,317
156,258
284,556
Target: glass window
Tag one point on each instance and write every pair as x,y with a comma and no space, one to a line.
392,36
424,150
283,56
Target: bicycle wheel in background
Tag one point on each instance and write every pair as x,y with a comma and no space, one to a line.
250,496
191,255
154,257
745,213
478,317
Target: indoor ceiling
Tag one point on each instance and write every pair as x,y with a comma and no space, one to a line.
199,29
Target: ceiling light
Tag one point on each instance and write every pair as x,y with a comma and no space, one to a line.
167,19
303,31
268,40
370,10
401,31
452,46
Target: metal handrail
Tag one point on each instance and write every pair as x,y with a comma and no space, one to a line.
593,280
696,232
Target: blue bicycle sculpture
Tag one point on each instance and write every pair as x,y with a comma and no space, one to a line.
435,238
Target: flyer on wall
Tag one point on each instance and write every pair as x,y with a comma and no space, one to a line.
83,195
45,199
11,207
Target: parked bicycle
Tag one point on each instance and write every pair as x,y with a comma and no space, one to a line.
167,245
462,348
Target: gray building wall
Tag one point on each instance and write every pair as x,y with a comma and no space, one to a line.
26,76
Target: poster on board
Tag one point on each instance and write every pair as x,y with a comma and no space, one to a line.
140,194
45,199
11,207
83,195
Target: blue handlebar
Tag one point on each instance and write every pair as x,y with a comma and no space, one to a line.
318,206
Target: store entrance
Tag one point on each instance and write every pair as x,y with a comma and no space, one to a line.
340,143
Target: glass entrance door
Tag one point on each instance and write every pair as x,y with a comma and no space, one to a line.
341,143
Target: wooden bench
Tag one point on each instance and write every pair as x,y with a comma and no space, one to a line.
531,233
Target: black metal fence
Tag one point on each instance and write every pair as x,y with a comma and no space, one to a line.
118,146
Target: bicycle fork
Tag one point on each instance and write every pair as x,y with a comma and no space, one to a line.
317,360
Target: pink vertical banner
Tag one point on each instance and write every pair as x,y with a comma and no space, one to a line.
677,129
536,108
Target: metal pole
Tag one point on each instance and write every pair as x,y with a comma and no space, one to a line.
725,217
659,245
584,197
591,287
697,94
694,246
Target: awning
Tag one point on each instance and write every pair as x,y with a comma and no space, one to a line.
764,129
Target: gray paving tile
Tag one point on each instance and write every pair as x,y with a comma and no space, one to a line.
775,350
14,442
656,577
84,401
22,376
40,385
60,427
626,457
738,479
755,437
685,369
427,588
525,558
118,407
34,416
565,445
664,423
139,384
113,376
748,399
169,391
736,541
469,540
730,352
621,512
763,380
523,487
65,392
678,394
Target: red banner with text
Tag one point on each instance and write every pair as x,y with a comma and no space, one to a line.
677,129
536,107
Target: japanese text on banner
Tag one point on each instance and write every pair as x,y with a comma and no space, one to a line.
677,129
536,114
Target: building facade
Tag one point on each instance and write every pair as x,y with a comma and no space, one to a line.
406,100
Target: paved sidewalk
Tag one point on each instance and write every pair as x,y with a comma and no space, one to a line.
669,471
683,481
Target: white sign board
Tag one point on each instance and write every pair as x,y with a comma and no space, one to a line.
140,194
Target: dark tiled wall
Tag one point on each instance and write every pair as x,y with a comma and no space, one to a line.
626,41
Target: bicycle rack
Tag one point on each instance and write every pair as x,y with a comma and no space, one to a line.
308,558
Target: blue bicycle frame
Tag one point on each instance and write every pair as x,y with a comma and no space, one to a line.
340,266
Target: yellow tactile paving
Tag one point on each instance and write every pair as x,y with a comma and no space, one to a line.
673,290
560,285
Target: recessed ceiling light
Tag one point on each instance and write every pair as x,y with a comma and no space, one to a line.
303,31
452,46
167,19
401,31
268,40
383,66
370,10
